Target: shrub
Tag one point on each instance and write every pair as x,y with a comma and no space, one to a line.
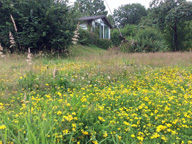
42,25
87,38
90,38
150,40
146,40
115,37
127,31
150,33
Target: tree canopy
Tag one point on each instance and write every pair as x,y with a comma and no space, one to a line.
169,14
41,24
129,14
91,7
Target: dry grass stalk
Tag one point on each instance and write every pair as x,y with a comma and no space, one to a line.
76,36
11,39
54,72
25,97
40,53
1,51
29,57
13,21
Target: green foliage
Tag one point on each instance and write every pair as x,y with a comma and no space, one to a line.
185,35
149,33
83,6
98,8
111,20
91,7
140,40
169,15
146,40
129,14
41,24
128,31
147,21
91,38
87,38
115,37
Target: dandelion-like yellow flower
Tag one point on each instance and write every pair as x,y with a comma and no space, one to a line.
84,132
126,123
101,119
132,135
65,131
2,127
140,138
105,134
94,142
59,112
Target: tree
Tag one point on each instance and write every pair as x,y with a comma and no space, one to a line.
185,33
91,7
129,14
41,24
98,8
83,6
169,14
111,20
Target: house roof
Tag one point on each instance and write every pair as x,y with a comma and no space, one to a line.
96,17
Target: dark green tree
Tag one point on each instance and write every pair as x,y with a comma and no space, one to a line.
170,14
98,8
41,24
111,20
83,7
185,35
91,7
129,14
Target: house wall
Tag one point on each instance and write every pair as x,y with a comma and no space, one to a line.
100,21
84,26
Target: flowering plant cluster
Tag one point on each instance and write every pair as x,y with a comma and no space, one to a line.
95,103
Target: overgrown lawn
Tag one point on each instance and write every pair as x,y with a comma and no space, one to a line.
108,98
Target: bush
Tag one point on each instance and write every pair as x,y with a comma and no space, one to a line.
115,37
87,38
90,38
146,40
127,31
150,40
41,24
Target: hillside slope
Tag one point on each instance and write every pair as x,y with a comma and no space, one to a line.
81,51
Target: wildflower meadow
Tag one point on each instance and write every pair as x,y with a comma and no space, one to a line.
112,100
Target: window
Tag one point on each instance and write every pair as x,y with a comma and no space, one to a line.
106,32
101,31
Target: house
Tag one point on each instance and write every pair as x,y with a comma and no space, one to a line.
98,24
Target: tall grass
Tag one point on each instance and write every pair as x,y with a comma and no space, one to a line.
99,98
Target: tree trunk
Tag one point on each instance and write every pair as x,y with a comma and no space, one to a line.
175,38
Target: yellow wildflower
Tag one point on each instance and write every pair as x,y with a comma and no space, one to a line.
101,119
105,134
2,127
59,112
84,132
132,135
